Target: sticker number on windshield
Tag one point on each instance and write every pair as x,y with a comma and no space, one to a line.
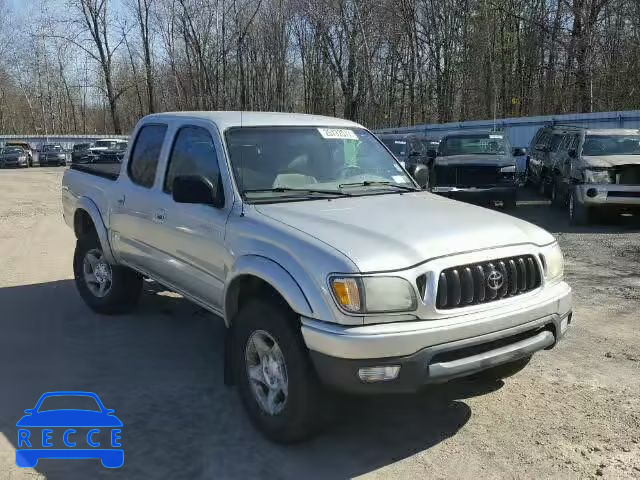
338,133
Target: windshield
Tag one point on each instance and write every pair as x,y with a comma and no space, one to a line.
12,150
51,148
105,143
81,146
66,402
295,160
398,147
488,144
611,145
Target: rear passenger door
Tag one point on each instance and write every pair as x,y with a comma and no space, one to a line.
192,235
133,215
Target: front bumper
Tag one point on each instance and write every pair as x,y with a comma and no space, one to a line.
602,195
432,351
15,163
477,193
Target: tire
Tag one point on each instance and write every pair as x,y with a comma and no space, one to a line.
509,203
579,213
503,371
543,187
556,196
296,416
123,290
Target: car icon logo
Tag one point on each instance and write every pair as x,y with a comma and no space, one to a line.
92,431
495,280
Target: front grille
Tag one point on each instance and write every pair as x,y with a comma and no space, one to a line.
467,176
484,282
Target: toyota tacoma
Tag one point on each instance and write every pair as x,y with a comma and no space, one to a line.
331,268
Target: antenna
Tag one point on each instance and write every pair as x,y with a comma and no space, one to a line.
241,173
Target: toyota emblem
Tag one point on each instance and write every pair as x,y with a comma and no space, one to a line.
495,279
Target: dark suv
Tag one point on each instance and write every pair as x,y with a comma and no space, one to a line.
414,152
593,171
544,153
477,166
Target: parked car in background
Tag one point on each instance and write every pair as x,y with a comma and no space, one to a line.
543,154
81,153
106,145
596,171
114,154
52,154
13,157
327,263
410,150
478,167
24,146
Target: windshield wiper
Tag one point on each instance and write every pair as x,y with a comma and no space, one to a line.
297,190
371,183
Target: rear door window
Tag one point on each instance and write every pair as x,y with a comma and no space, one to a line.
556,139
145,154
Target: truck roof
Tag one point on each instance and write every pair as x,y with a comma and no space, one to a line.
226,120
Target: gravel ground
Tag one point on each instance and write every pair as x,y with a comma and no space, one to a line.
573,413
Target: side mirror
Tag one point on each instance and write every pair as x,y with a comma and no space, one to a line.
519,152
431,153
572,153
196,189
29,410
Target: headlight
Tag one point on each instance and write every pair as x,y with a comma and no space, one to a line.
373,294
596,176
509,169
552,262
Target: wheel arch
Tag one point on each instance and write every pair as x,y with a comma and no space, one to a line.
254,274
86,218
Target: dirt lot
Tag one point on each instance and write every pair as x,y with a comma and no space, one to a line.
574,413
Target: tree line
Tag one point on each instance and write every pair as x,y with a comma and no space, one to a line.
97,66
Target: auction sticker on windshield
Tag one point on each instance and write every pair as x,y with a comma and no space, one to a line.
338,133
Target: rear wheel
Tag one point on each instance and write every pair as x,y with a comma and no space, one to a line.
105,288
276,381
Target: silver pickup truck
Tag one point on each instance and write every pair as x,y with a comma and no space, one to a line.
328,264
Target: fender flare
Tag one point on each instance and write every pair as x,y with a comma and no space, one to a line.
86,204
270,272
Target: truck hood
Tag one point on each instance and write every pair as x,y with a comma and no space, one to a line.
462,160
608,161
396,231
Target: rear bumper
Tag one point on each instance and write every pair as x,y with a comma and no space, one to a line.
608,195
427,353
477,193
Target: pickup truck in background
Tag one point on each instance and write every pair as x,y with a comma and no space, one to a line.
478,167
331,268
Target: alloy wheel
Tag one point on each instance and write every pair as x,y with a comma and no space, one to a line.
267,372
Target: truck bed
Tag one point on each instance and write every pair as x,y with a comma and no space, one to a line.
109,171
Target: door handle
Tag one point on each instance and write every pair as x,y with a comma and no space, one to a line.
160,215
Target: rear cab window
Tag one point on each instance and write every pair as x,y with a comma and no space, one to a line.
143,161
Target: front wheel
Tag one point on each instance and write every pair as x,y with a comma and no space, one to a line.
276,381
579,213
105,288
